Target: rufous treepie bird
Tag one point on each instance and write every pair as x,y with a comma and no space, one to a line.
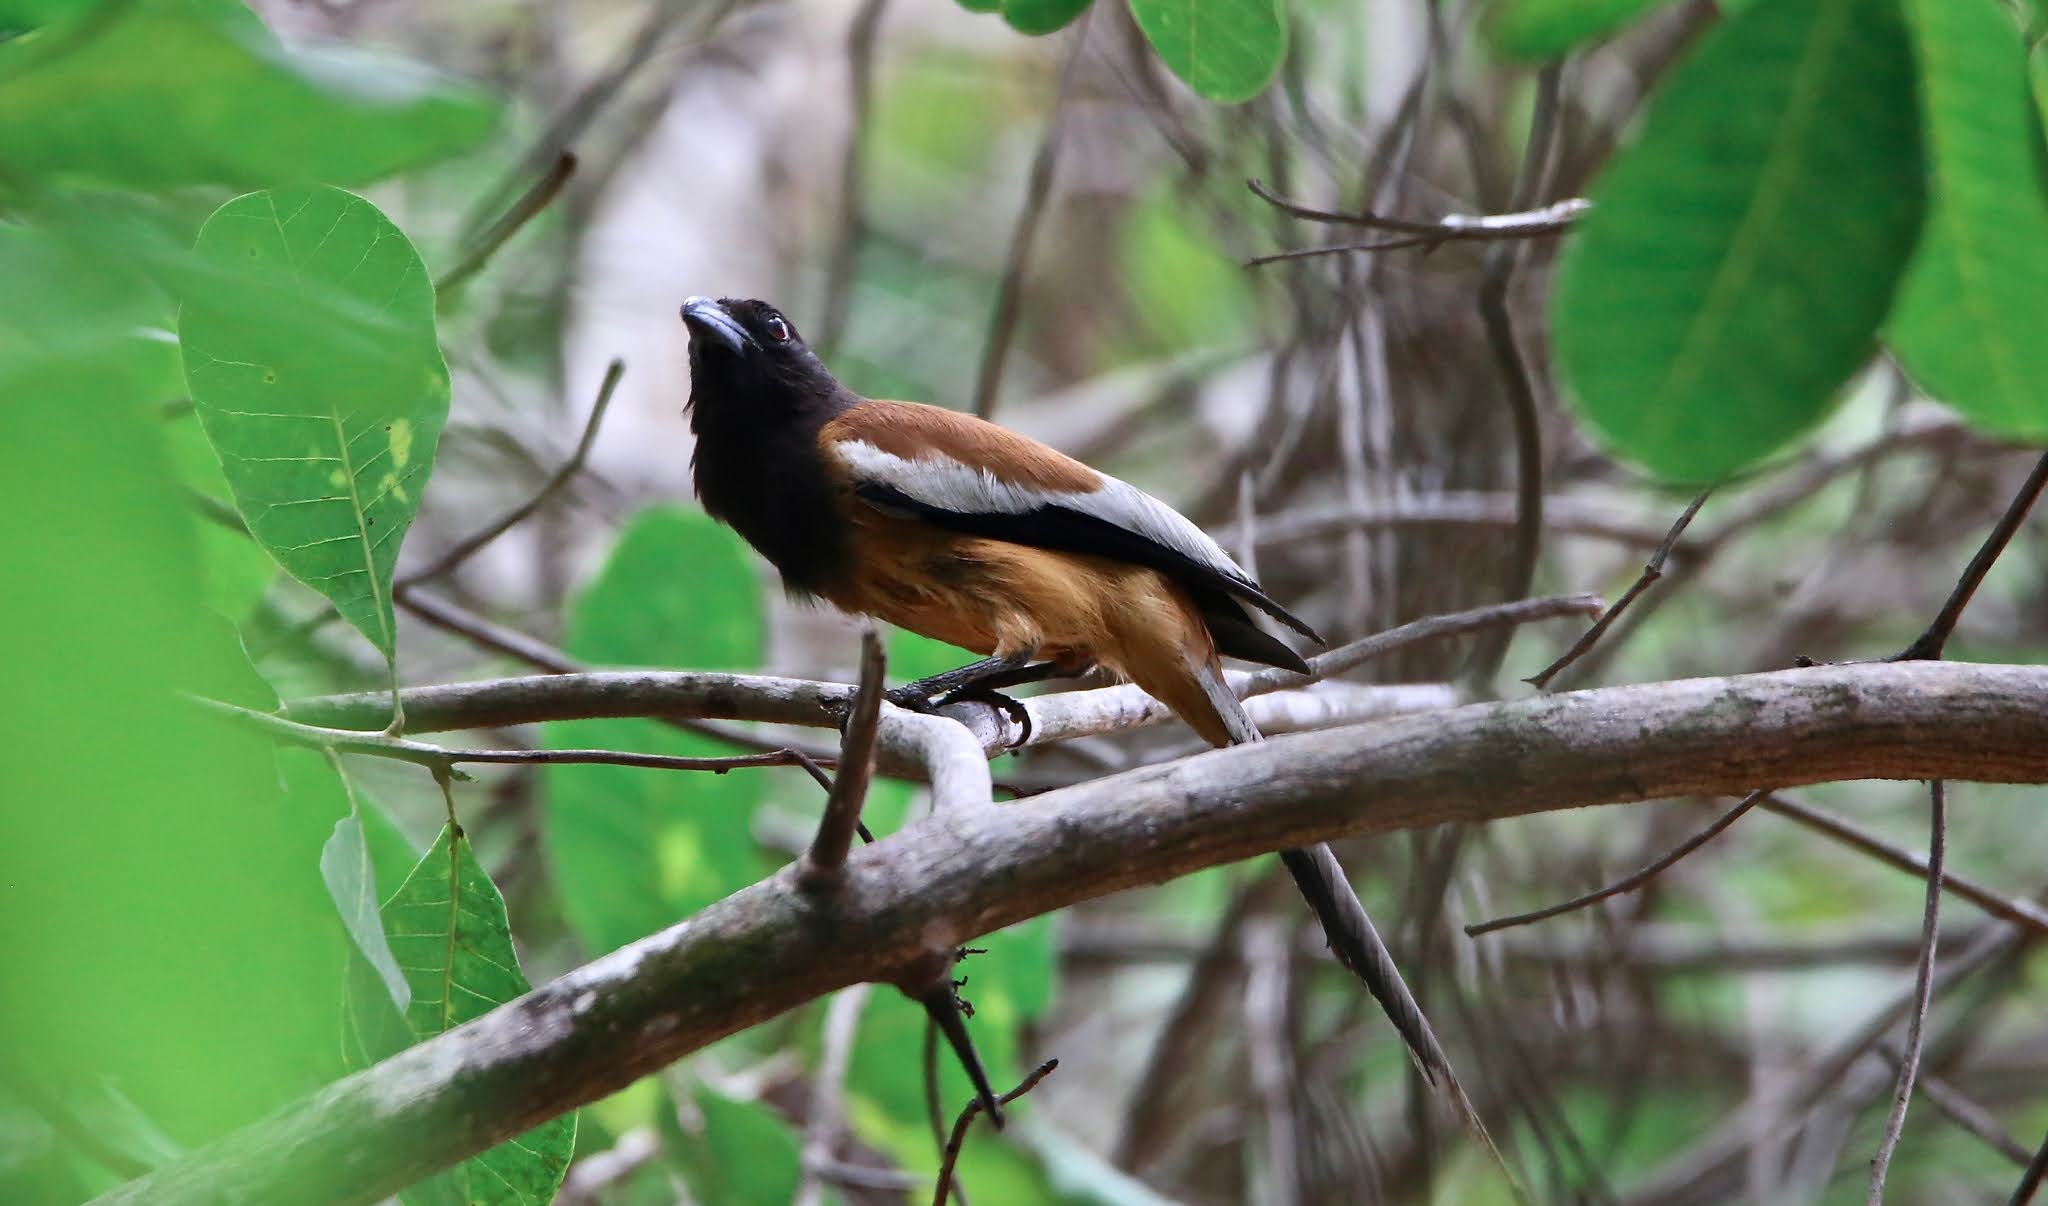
968,533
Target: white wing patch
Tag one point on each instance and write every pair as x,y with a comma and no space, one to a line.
939,481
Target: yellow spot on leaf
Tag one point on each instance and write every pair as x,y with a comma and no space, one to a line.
338,479
390,485
401,441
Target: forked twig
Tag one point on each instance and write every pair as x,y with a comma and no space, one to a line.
1630,882
469,546
1653,569
966,1119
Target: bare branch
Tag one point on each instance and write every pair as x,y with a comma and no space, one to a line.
822,863
944,879
1929,644
827,1110
1951,1104
2006,908
966,1120
435,757
522,210
1923,992
988,382
1652,570
468,547
1629,883
1542,222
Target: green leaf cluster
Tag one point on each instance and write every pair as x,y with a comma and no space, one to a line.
183,898
1816,175
1226,50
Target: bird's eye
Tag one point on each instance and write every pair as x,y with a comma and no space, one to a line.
778,330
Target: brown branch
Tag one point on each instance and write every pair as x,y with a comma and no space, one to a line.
523,209
1496,273
966,1119
2030,1180
958,873
1629,883
469,546
1929,644
1923,993
1652,570
822,863
1952,1104
435,757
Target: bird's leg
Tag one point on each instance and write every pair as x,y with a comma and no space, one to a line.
980,682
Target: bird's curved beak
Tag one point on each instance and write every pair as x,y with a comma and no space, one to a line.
706,317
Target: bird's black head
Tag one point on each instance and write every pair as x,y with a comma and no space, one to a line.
745,356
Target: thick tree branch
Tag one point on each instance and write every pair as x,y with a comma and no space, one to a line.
956,874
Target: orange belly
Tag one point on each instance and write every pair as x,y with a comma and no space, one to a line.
994,597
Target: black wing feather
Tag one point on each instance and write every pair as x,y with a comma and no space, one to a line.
1067,530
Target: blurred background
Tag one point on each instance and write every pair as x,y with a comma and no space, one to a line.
1054,232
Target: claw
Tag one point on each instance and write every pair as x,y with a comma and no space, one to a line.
995,699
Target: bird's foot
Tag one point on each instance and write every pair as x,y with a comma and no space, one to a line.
1008,705
917,697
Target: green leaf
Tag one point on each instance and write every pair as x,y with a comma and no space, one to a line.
326,431
1037,17
168,93
636,850
1741,254
744,1154
352,882
448,929
1226,50
159,879
982,6
1540,30
1967,323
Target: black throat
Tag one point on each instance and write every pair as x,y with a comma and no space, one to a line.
759,469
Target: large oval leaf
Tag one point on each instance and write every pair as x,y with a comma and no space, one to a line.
1545,29
326,429
1041,16
1741,254
1226,50
447,927
1968,323
180,92
636,850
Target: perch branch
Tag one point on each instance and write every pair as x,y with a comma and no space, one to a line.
956,874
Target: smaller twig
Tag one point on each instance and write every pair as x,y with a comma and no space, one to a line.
1430,628
827,1108
1267,954
2005,908
1547,222
1951,1103
1629,883
827,856
1653,569
2030,1180
966,1120
1928,645
1002,326
435,757
840,263
1552,219
1923,993
518,214
468,547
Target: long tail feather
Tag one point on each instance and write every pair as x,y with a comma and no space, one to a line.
1352,937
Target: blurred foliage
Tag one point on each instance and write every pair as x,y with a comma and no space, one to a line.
198,917
634,851
1738,261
